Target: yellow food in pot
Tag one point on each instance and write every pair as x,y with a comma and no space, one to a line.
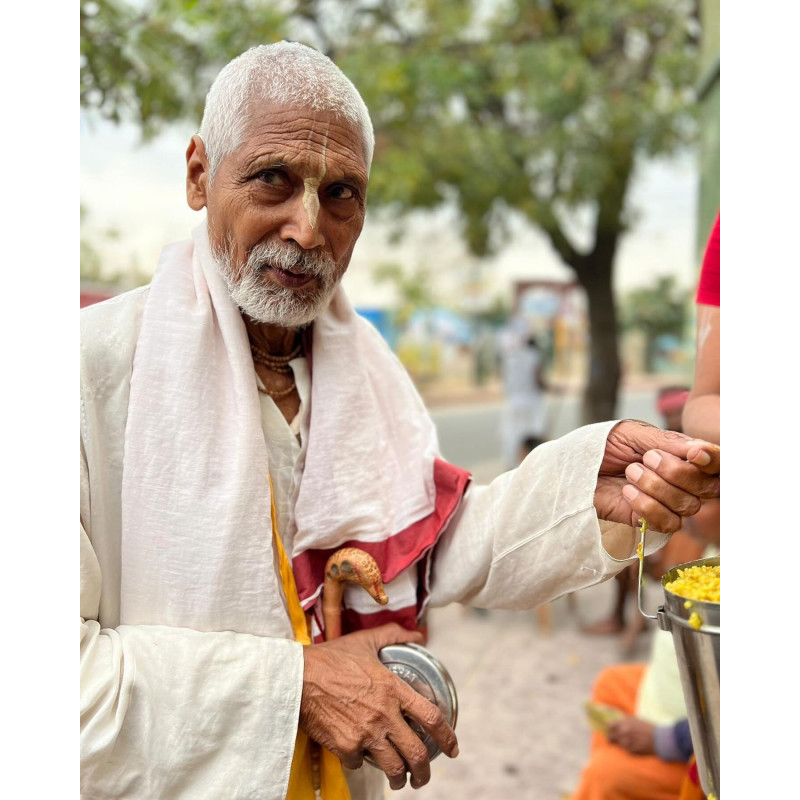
696,583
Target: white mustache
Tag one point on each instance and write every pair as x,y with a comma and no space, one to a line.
289,256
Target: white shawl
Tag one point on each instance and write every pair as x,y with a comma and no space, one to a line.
196,534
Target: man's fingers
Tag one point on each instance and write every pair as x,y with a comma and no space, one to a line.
352,758
414,753
658,516
631,437
678,472
390,761
680,502
431,718
704,455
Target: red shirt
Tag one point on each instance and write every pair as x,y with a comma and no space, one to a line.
708,288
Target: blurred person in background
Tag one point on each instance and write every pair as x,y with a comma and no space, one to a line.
524,413
240,424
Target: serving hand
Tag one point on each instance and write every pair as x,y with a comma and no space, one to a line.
660,475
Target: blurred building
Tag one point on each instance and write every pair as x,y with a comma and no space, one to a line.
555,312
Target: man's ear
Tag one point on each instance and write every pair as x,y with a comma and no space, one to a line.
197,174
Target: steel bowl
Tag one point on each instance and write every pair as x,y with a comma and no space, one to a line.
424,673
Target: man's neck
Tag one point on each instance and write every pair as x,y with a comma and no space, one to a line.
272,338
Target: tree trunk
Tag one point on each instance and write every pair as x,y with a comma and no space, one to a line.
596,274
600,397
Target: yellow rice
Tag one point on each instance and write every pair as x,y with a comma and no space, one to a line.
697,583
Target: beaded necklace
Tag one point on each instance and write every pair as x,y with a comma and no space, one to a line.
279,364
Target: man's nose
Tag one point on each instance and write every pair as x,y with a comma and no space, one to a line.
302,223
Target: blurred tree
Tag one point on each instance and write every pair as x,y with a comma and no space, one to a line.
413,290
497,315
91,267
534,108
150,62
656,311
538,108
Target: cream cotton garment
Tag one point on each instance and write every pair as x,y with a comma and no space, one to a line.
176,711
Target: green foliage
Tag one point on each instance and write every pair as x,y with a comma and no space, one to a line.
151,62
541,108
497,315
414,290
657,310
92,269
535,104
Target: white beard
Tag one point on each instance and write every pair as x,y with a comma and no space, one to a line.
278,305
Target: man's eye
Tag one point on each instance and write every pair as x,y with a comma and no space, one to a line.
272,177
341,191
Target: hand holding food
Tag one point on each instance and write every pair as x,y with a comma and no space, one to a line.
656,474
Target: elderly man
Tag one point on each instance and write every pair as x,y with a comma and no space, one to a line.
240,423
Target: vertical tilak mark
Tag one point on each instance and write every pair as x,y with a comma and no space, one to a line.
311,193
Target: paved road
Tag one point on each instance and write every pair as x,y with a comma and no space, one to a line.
469,435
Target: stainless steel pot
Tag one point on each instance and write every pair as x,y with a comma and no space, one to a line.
698,654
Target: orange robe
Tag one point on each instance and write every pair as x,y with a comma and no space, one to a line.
612,773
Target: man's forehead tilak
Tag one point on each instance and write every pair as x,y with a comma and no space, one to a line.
311,185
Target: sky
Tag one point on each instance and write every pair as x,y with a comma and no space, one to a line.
138,190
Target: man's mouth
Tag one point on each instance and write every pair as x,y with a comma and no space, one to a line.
290,278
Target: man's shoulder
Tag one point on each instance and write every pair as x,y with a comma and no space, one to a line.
116,303
109,330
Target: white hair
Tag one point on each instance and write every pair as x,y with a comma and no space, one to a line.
288,73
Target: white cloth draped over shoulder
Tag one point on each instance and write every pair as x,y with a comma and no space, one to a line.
190,679
195,496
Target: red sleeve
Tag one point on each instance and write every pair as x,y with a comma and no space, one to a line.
708,288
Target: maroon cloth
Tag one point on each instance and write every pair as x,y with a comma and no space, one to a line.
394,554
412,546
708,287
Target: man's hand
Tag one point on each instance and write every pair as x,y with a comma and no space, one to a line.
351,703
633,734
659,475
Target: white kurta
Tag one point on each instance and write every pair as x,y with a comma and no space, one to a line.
172,712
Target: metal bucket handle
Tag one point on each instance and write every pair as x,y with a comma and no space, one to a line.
640,551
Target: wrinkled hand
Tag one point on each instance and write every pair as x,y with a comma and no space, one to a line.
351,703
659,475
633,734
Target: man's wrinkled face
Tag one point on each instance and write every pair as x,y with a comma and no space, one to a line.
284,210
